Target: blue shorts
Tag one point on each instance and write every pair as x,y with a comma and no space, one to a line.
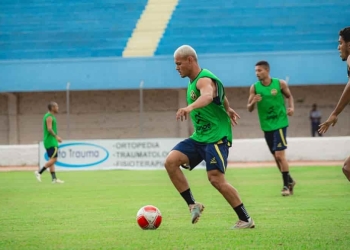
52,152
276,139
214,154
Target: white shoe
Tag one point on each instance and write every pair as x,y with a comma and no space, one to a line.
38,176
58,181
243,224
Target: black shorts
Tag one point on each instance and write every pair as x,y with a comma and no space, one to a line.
52,152
276,139
214,154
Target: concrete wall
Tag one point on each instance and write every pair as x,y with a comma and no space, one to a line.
115,114
3,120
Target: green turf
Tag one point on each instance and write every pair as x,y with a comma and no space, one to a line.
97,210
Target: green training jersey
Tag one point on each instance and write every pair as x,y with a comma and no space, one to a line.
49,140
211,123
271,109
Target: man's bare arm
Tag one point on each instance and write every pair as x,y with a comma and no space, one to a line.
226,104
204,85
344,98
287,93
252,99
49,126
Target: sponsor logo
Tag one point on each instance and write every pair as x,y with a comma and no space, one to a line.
193,95
79,155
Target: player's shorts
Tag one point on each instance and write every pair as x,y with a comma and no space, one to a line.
52,152
276,139
214,154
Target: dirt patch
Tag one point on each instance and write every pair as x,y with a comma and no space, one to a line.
18,168
230,165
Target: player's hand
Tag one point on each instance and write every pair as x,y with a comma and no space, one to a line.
234,116
183,113
257,98
59,139
332,120
290,111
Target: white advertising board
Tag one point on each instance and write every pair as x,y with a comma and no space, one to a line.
111,154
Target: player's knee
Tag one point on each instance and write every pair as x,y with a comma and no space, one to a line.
171,163
168,164
216,180
279,156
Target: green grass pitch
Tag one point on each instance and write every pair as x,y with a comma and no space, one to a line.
97,210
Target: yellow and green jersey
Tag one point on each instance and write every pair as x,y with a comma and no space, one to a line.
211,123
271,109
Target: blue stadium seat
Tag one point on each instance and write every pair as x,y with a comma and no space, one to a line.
49,29
45,29
255,25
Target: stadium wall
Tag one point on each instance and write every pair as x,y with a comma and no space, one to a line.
116,114
150,153
235,70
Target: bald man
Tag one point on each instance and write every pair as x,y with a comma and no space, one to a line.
50,140
212,118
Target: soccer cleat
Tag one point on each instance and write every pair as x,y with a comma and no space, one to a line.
291,187
241,224
38,176
196,211
285,191
57,181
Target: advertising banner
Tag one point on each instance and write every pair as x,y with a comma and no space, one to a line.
111,154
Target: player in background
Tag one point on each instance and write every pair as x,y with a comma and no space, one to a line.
344,49
50,140
211,116
268,93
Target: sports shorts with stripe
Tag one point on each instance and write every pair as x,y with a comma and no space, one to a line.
276,139
214,154
52,152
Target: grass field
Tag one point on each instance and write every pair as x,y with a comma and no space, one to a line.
97,210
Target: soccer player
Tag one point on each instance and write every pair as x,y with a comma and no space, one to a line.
51,140
268,93
211,116
344,49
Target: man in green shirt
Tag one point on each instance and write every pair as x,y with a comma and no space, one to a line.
211,116
50,140
268,93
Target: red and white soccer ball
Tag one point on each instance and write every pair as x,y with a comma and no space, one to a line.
149,217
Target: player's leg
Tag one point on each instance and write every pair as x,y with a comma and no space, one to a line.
52,154
269,138
184,154
346,168
280,145
216,162
53,175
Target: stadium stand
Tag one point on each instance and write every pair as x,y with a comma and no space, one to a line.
48,29
245,26
43,29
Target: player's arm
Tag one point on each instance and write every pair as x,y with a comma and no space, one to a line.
205,86
226,104
288,94
252,99
343,101
49,126
344,98
231,113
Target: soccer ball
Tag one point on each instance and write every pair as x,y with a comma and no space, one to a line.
149,217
